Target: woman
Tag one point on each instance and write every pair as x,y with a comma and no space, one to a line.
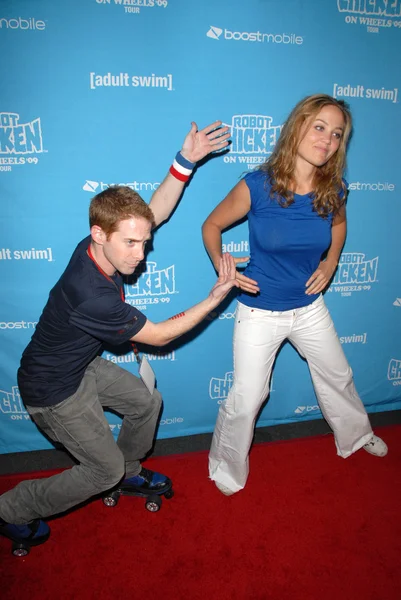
295,204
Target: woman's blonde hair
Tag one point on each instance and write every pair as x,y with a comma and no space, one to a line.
280,166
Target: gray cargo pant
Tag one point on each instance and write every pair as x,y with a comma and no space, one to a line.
79,424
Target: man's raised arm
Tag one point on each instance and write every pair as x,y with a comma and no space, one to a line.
197,145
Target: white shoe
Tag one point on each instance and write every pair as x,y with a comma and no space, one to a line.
376,446
223,489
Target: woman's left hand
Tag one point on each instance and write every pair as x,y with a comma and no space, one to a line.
320,278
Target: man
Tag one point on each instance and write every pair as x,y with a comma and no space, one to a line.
62,379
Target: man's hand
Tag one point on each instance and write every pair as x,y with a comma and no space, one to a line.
320,278
199,144
245,283
160,334
227,279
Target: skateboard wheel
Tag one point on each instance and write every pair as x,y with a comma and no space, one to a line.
169,494
112,499
153,503
20,549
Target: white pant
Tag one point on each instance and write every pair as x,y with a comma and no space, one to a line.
258,335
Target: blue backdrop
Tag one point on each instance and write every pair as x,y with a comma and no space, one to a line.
96,92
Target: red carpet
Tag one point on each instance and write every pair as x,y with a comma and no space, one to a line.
308,526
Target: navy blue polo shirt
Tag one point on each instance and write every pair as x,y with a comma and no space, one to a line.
84,310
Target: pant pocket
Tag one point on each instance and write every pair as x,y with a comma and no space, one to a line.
95,420
40,421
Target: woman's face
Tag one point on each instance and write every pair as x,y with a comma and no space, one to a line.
321,137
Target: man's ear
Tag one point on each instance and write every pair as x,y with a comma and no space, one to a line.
98,235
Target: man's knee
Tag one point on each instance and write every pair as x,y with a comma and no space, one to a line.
112,472
143,404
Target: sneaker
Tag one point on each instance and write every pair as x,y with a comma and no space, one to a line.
223,489
34,533
147,482
376,446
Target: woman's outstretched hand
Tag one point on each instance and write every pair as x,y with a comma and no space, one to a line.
227,279
245,283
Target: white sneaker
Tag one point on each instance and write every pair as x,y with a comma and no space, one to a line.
223,489
376,446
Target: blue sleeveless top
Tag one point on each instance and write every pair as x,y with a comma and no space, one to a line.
286,245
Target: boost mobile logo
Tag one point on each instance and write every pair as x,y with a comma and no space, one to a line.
214,32
171,421
219,388
18,324
114,426
394,371
138,186
90,186
11,404
20,23
306,409
397,302
216,315
19,138
254,36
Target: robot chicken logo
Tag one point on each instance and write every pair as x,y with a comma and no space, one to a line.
373,14
153,286
394,371
354,273
19,142
219,388
253,139
19,138
11,404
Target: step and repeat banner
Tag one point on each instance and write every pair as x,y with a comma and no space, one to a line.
102,92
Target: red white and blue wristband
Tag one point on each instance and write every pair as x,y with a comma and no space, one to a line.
181,168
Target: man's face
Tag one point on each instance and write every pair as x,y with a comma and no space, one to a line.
125,248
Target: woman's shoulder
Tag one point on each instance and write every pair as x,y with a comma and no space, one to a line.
257,180
256,174
259,185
